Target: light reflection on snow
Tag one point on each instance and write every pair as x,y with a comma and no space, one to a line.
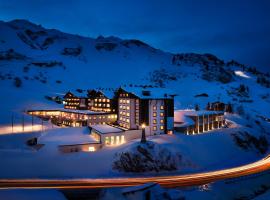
242,74
20,128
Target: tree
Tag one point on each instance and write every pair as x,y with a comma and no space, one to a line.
197,107
17,82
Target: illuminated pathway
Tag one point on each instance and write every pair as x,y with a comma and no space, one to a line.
166,181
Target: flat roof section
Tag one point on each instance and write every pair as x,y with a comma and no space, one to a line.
104,128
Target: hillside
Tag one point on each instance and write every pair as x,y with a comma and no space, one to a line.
35,62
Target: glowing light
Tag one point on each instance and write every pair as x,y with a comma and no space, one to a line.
143,126
91,149
242,74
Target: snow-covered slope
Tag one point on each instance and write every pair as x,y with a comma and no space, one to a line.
35,62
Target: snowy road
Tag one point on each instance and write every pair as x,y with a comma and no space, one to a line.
166,181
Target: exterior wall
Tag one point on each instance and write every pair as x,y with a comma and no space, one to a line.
127,109
111,139
79,147
156,116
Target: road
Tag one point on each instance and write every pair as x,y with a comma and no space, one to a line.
165,181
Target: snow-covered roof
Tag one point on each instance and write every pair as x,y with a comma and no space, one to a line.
67,136
108,92
196,113
82,94
181,120
104,128
149,92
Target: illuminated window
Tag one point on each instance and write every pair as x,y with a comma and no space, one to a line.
99,100
128,101
154,128
91,148
162,121
107,140
108,105
121,100
103,100
161,127
128,108
117,139
161,107
154,108
108,100
128,114
154,114
122,139
154,121
161,114
112,139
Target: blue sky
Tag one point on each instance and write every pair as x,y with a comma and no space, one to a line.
230,29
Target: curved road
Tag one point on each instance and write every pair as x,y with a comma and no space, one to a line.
165,181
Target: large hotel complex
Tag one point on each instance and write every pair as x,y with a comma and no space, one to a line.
115,116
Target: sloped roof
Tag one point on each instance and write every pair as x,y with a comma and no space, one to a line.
150,93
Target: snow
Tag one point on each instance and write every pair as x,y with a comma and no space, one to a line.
110,69
212,150
242,74
26,194
66,136
104,128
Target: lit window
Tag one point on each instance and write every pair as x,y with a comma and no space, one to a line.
128,101
154,108
121,100
117,139
154,121
104,100
154,128
108,100
122,139
154,114
162,121
161,127
128,114
161,114
112,139
99,100
91,148
107,140
108,105
161,107
127,107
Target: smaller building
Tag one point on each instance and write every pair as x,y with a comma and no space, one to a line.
194,122
109,135
217,106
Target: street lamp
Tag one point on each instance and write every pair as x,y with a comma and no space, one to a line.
143,139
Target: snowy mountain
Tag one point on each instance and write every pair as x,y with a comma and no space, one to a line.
37,62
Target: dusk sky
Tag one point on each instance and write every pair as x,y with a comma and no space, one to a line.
230,29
